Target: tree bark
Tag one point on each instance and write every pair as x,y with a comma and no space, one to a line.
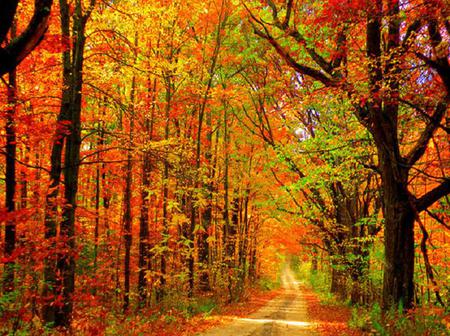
127,215
399,240
145,203
98,186
338,282
165,219
127,223
230,245
10,181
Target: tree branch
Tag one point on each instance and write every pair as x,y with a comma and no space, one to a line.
419,149
424,114
294,33
19,48
438,219
287,18
432,196
303,69
300,68
413,28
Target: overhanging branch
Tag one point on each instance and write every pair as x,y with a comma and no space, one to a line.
19,48
433,196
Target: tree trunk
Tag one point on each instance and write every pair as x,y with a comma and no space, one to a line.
127,215
314,261
358,268
63,286
144,229
244,239
165,182
98,186
127,235
383,124
66,260
144,237
399,217
230,245
338,282
10,181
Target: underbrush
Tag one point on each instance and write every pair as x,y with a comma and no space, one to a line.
370,320
419,322
268,284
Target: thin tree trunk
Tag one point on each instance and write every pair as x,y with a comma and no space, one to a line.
10,181
145,205
338,281
127,216
24,182
51,221
165,177
66,260
206,216
127,221
230,243
98,186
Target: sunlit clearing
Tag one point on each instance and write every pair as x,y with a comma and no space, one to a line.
264,321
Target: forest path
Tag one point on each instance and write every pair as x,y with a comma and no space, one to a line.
284,315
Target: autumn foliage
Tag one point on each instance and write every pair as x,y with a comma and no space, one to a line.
160,159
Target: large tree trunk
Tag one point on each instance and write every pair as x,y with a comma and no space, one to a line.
203,235
399,214
144,229
398,242
244,239
382,121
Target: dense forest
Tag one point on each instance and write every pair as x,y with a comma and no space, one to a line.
160,157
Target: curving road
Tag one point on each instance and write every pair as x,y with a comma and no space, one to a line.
284,315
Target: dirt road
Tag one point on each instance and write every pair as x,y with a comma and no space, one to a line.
284,315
